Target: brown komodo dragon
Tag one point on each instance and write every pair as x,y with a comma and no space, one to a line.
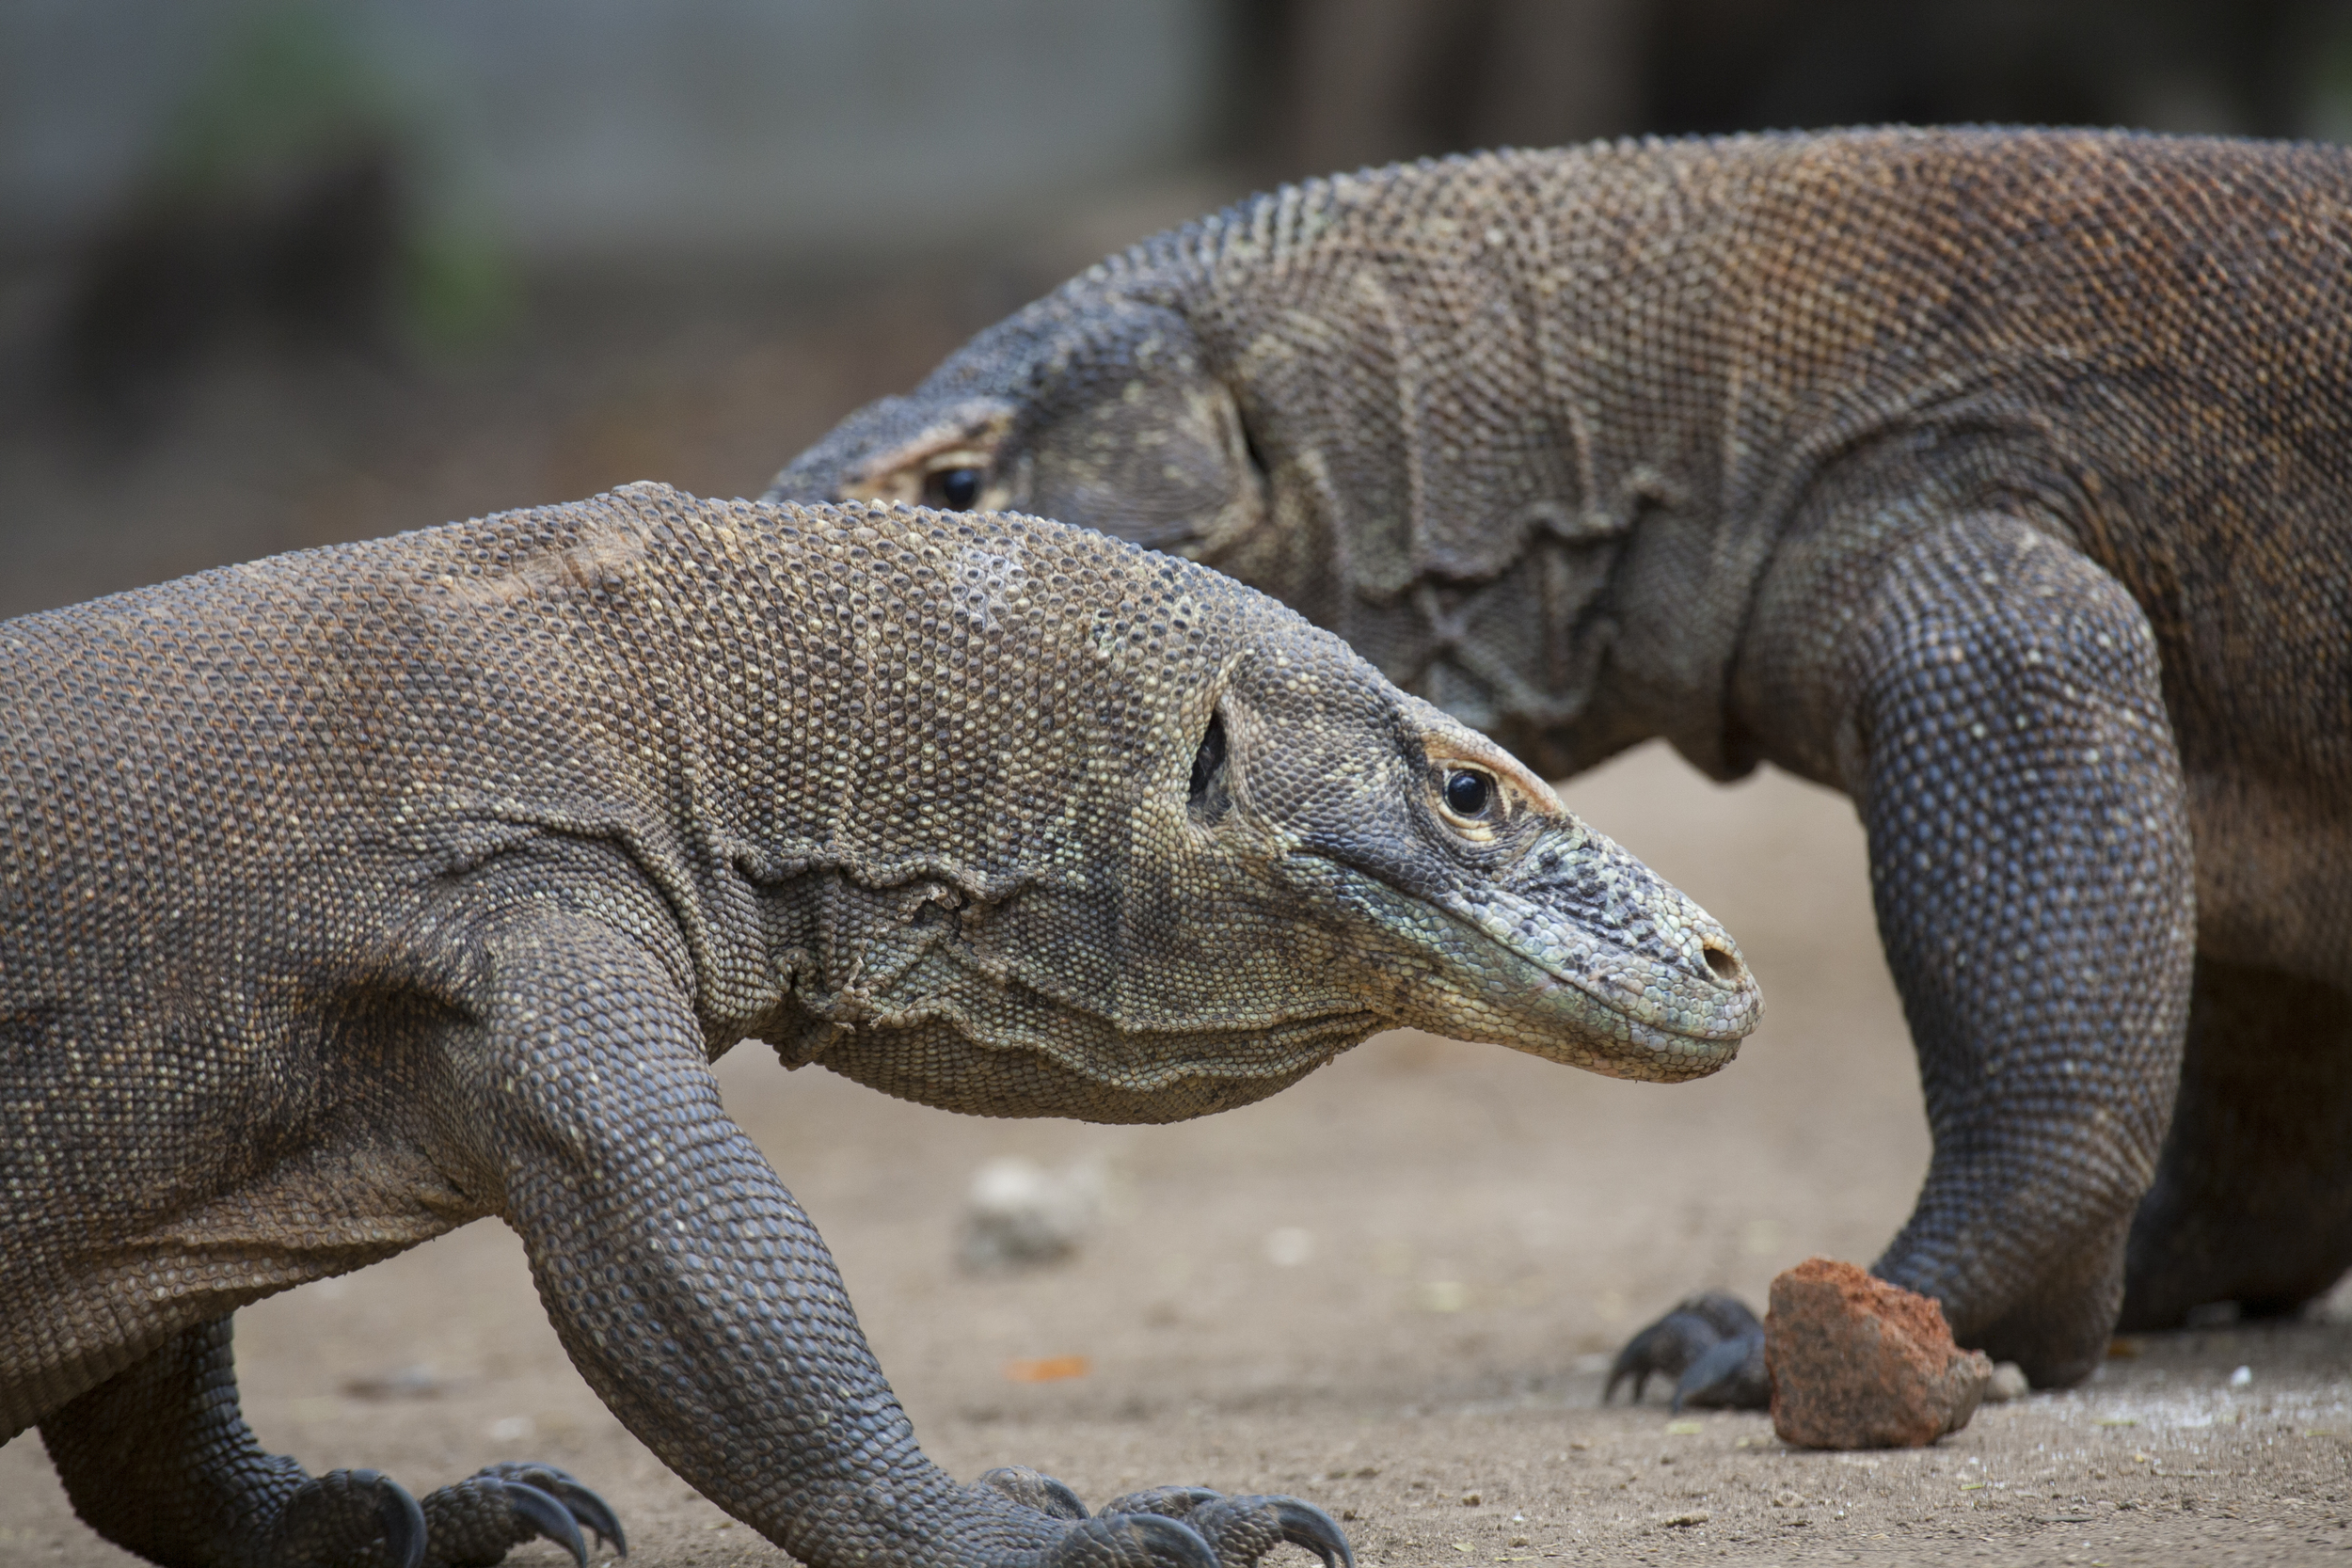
2001,479
351,895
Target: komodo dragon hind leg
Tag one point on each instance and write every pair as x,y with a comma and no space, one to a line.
2252,1202
159,1461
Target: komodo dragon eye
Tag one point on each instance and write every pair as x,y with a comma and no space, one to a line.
952,489
1469,793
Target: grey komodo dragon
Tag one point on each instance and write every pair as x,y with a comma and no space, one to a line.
351,895
2001,479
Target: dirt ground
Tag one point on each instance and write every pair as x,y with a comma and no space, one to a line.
1391,1290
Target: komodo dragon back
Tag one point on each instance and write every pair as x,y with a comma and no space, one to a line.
352,894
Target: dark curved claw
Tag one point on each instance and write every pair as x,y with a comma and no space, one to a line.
1728,1375
1665,1346
1202,1527
333,1516
1305,1524
402,1518
547,1516
594,1512
584,1506
1680,1339
1162,1537
1036,1489
1244,1528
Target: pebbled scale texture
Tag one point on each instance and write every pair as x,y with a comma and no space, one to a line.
2002,479
349,897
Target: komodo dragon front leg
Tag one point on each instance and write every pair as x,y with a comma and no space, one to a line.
1993,701
697,1299
2016,773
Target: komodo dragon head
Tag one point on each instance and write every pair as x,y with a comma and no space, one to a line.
1091,407
1158,845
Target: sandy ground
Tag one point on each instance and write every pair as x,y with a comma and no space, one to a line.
1390,1290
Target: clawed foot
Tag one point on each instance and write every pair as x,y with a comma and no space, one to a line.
1713,1348
362,1516
1188,1526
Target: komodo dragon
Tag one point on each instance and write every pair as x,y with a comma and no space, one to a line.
354,894
2001,479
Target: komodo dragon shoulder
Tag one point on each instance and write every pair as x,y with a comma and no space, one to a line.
2002,479
352,896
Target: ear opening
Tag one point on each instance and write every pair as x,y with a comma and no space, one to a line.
1250,449
1209,798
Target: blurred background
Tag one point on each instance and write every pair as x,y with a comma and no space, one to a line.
275,273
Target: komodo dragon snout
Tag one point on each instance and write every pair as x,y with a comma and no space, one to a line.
1548,937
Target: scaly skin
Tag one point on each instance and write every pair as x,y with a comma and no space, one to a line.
1999,479
349,897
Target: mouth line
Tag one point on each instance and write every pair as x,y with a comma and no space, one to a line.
1648,1034
1641,1031
1598,986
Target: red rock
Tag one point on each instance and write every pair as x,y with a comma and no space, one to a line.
1857,1363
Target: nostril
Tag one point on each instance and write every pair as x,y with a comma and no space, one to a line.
1724,966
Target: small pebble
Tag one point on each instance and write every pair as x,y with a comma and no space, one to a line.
2008,1382
1019,1214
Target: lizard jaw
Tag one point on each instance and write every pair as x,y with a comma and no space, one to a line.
1709,995
1600,1017
1551,989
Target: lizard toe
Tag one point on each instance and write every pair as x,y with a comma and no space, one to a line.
585,1508
1728,1375
546,1517
476,1522
1131,1541
1678,1341
351,1516
1244,1528
1035,1489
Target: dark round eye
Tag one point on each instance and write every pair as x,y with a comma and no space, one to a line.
955,489
1469,794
